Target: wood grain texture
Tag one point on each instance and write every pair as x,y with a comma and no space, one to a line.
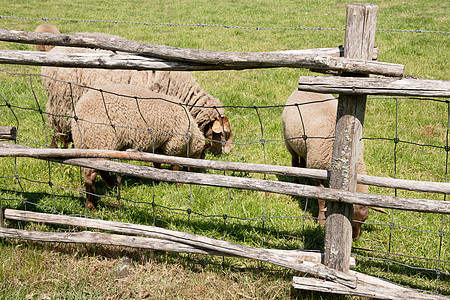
228,248
367,286
88,237
8,133
174,58
286,188
13,150
359,41
375,86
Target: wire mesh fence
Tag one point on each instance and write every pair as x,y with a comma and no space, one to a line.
405,247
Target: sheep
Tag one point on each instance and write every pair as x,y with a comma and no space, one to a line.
315,119
158,124
45,28
206,110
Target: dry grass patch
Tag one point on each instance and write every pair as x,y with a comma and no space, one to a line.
54,271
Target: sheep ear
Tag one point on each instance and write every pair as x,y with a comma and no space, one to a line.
222,124
217,126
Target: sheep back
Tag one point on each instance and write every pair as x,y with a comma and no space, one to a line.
205,109
62,96
169,123
315,118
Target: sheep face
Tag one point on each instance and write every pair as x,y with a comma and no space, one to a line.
220,135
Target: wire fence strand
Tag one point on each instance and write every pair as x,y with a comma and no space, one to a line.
227,217
46,19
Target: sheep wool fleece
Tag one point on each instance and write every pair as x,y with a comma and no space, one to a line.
143,120
315,118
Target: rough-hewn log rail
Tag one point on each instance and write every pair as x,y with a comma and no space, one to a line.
13,150
88,237
219,59
8,133
260,254
138,62
375,86
99,60
421,205
368,286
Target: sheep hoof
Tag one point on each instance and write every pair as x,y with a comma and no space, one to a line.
91,205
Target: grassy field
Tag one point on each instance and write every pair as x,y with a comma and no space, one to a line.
398,240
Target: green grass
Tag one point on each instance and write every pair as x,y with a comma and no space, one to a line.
78,272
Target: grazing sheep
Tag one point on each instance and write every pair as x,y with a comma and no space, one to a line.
45,28
315,118
154,125
206,110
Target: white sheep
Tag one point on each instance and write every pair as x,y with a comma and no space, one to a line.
144,121
309,130
45,28
206,110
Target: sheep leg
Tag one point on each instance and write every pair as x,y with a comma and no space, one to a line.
89,184
298,162
322,209
108,178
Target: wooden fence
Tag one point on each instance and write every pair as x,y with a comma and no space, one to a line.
353,86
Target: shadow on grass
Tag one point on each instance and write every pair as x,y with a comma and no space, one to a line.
399,271
311,205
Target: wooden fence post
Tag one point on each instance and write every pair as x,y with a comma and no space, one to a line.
359,43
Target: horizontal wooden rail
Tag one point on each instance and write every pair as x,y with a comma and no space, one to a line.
210,60
375,86
13,150
367,287
8,133
421,205
260,254
88,237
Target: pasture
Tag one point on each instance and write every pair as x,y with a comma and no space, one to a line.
253,101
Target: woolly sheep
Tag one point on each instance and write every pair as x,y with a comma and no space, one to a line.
45,28
317,121
173,130
208,111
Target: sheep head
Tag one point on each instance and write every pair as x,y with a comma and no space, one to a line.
220,134
45,28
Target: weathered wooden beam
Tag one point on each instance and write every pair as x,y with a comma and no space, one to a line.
14,150
286,188
336,52
217,60
367,286
88,237
138,62
359,43
98,60
8,133
375,86
260,254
